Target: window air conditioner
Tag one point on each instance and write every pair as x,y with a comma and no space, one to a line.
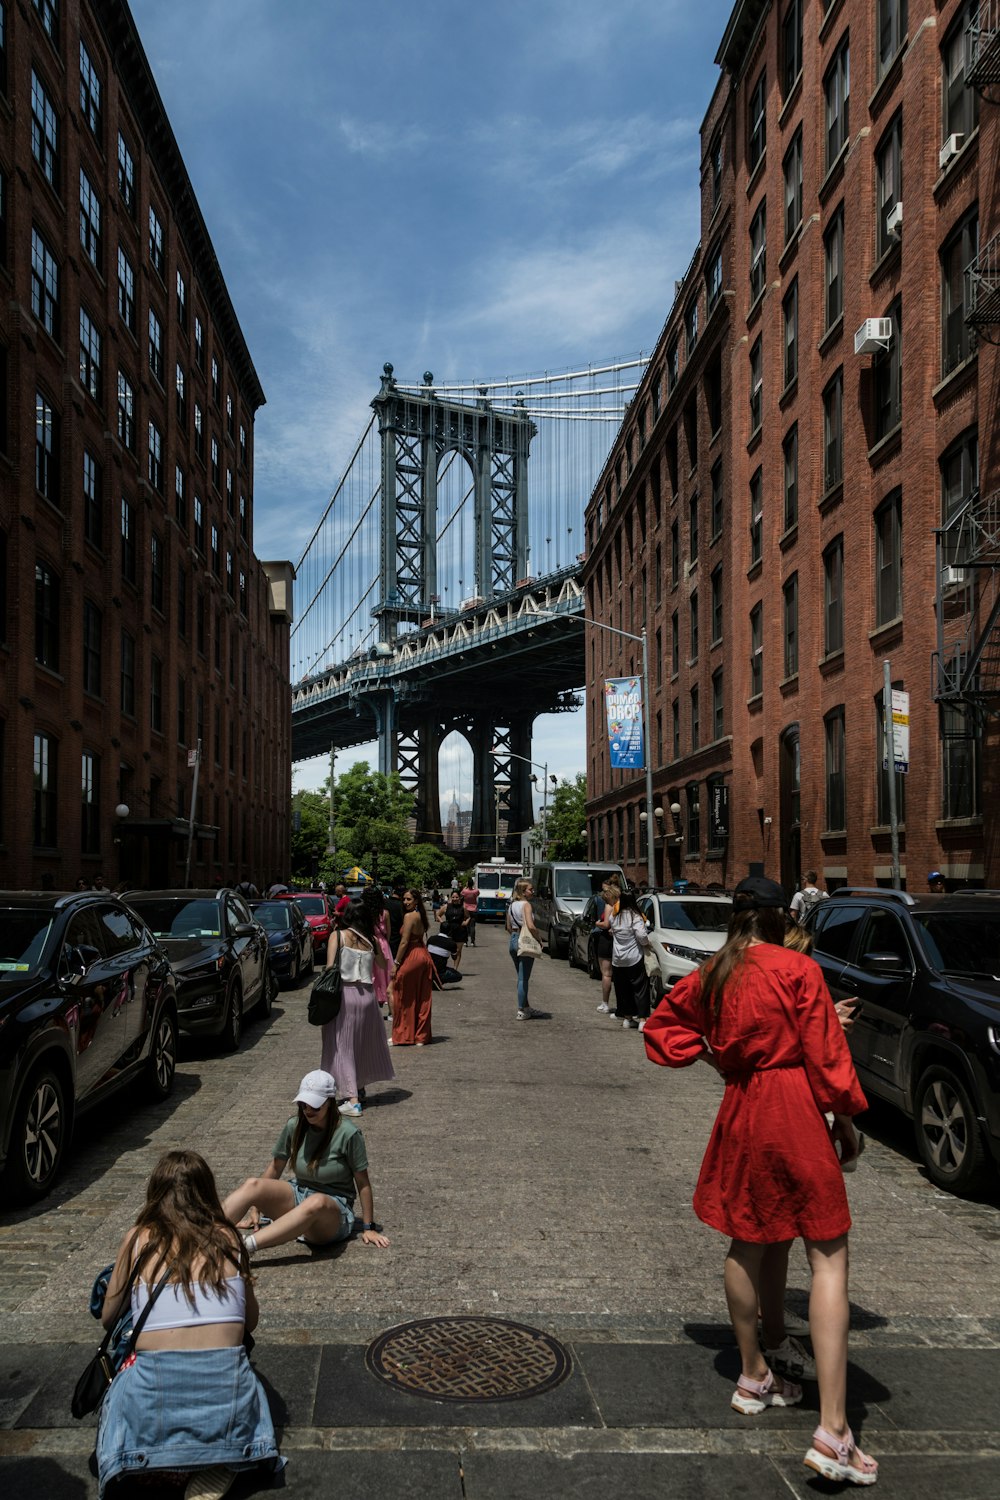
952,577
950,149
873,337
894,219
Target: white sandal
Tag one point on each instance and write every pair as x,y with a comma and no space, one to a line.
752,1396
840,1467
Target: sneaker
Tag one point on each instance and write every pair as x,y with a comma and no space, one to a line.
603,1008
527,1014
351,1110
791,1359
630,1024
642,1025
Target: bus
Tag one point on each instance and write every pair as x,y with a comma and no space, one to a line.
495,882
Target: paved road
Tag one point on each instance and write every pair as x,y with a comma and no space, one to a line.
539,1171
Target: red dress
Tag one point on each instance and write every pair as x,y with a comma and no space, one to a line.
770,1172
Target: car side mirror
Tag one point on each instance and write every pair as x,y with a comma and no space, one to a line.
245,929
885,963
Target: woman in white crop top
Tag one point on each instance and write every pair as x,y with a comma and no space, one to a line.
190,1369
355,1050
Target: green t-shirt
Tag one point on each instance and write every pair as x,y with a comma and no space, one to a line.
334,1172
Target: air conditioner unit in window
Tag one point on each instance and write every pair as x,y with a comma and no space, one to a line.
952,577
950,150
874,336
894,220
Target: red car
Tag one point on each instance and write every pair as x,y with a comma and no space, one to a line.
317,908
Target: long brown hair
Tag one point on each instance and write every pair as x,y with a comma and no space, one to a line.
766,924
183,1223
326,1134
418,901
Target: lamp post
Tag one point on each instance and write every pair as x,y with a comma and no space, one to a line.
657,827
629,635
495,751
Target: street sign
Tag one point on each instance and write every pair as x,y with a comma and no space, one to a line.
900,732
719,809
192,759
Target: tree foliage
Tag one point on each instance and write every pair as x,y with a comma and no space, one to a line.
567,820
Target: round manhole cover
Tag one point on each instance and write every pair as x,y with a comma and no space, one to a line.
468,1359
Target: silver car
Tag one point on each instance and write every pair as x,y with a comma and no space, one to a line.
684,930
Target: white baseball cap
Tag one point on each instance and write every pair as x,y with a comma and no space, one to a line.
316,1088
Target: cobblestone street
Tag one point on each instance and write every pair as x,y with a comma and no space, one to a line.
540,1172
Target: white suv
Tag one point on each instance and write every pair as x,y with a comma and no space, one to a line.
684,930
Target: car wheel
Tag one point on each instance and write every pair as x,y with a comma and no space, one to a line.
948,1135
593,967
232,1026
296,975
555,944
571,952
270,988
162,1065
39,1131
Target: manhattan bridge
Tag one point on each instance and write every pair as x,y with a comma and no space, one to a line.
440,590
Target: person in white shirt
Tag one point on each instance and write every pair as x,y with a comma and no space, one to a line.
805,899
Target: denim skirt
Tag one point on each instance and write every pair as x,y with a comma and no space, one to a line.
184,1409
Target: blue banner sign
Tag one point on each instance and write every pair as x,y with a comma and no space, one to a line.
623,701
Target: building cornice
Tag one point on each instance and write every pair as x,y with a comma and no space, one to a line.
737,39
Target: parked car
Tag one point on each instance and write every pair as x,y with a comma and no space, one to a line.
562,889
289,938
927,1035
87,1005
684,930
219,956
317,908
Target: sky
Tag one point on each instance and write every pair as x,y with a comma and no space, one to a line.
477,190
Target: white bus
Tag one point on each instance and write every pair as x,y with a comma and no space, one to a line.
495,882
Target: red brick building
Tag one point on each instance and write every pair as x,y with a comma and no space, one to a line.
135,619
859,163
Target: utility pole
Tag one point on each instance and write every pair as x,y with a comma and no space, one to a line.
889,751
196,753
332,845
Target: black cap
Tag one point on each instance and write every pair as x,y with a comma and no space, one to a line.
935,875
757,891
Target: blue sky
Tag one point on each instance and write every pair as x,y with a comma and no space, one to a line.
473,189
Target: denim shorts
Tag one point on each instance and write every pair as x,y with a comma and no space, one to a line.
346,1211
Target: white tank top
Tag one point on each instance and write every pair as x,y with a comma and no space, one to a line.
173,1310
357,965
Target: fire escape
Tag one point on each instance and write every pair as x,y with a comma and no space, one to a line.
967,661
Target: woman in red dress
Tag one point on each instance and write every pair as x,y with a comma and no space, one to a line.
413,977
762,1016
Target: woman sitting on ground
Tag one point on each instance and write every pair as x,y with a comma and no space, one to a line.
330,1163
188,1401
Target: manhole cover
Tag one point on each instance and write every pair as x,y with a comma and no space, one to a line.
468,1359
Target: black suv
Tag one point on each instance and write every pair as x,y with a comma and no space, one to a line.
926,970
86,1003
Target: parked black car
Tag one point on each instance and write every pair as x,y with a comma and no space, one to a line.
219,956
289,938
87,1003
926,970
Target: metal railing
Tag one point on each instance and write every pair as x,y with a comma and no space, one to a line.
982,45
982,285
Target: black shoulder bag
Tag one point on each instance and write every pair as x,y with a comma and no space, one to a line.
327,993
92,1385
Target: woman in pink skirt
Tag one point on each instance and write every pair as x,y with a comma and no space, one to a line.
354,1045
374,904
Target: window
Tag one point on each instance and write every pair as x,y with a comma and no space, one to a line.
959,476
199,629
675,729
837,88
756,385
716,605
960,104
882,742
693,624
181,388
48,14
756,516
715,156
46,617
757,121
90,357
90,221
93,500
155,466
44,285
90,92
790,623
758,251
756,651
713,278
128,541
199,525
229,420
156,257
675,555
673,365
695,720
45,782
888,182
181,710
156,571
693,818
155,347
717,499
181,301
243,431
718,705
46,449
216,554
243,517
790,455
833,248
790,315
182,601
126,411
960,762
199,432
92,632
128,674
216,471
180,498
44,131
891,31
126,176
888,377
693,528
791,47
957,339
156,694
90,803
199,343
230,575
126,290
675,644
691,327
833,597
833,432
713,396
836,790
243,592
215,381
793,185
889,559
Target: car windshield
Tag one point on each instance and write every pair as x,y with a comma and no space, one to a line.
489,881
313,906
180,917
22,941
696,916
965,944
577,885
274,915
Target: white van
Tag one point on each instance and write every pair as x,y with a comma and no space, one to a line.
561,891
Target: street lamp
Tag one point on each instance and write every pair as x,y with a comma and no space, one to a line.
496,752
630,635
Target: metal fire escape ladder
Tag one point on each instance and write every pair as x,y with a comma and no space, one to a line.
967,660
982,47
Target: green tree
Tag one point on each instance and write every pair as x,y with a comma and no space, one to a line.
370,820
310,834
567,820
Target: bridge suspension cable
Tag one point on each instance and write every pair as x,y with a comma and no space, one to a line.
549,378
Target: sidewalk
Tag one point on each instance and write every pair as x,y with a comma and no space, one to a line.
538,1172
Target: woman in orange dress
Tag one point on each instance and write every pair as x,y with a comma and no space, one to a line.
413,977
761,1015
